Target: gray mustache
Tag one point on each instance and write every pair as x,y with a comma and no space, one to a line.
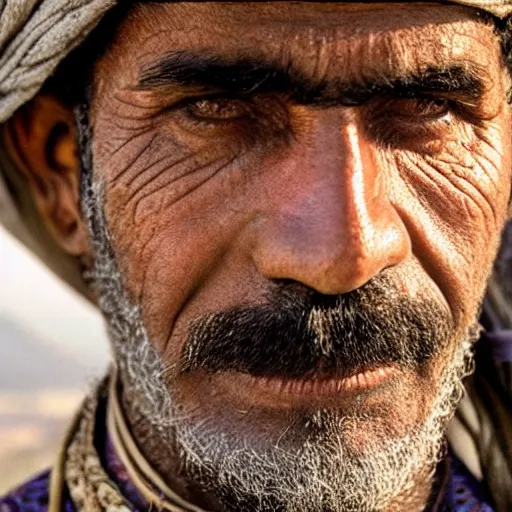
300,333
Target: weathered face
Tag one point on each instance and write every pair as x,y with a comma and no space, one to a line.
304,201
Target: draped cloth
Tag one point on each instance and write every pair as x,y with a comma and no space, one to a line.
35,36
82,469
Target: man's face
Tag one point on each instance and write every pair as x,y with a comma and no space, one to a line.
303,202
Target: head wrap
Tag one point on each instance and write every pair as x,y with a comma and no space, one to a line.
499,8
35,36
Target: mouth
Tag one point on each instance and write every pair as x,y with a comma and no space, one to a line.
289,392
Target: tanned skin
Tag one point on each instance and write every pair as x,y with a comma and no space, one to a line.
212,195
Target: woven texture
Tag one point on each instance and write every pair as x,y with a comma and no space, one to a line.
503,8
35,36
498,8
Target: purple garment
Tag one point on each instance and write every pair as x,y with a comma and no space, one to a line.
117,472
465,491
465,494
33,497
499,345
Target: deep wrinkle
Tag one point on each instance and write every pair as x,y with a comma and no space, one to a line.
152,177
212,172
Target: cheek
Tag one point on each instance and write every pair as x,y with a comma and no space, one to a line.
173,214
454,205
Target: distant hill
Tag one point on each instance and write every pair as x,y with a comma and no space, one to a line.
27,363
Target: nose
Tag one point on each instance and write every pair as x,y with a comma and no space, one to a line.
332,226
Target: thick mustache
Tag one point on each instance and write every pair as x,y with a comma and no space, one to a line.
304,334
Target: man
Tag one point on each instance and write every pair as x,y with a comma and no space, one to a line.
288,214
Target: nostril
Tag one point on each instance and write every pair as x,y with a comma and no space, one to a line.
292,288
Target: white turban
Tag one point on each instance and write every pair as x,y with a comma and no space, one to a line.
35,36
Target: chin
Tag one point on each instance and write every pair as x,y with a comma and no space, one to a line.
356,453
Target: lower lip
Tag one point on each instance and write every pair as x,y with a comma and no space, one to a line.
279,392
323,387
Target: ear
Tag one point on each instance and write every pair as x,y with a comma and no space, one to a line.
41,138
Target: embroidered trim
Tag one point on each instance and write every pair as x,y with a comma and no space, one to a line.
80,467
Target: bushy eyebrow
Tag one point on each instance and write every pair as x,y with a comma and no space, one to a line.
245,76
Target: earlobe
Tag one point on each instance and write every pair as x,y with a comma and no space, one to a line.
41,139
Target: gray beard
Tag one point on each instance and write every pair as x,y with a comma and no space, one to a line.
320,475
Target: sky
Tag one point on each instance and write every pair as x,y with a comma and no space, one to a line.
33,298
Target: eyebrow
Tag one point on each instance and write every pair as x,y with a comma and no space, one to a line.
252,76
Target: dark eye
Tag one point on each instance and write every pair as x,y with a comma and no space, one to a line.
419,123
218,109
421,108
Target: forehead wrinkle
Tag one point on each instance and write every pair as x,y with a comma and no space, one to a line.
264,24
343,53
389,15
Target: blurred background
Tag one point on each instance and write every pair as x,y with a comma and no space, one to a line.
52,348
